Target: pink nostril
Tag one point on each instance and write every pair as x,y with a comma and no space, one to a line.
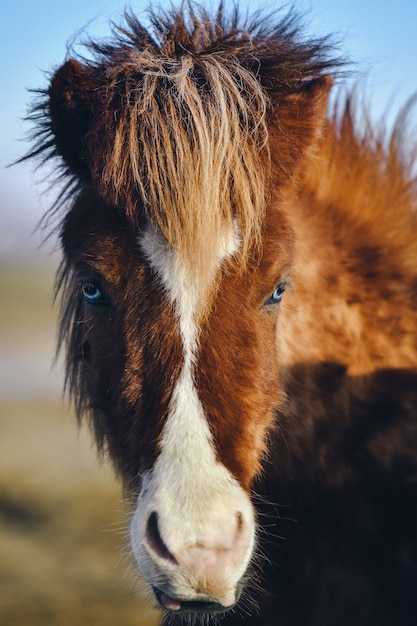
155,541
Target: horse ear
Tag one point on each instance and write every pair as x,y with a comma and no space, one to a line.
297,120
71,105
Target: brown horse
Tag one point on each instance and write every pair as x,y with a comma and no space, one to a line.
240,312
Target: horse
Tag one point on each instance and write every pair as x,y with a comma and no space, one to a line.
239,314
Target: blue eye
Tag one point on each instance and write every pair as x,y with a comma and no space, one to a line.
92,294
277,295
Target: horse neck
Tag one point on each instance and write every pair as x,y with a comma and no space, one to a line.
353,281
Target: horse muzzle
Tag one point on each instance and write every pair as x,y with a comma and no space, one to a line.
204,607
194,556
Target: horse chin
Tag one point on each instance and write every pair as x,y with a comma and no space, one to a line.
199,606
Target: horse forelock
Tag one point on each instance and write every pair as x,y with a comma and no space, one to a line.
170,123
188,146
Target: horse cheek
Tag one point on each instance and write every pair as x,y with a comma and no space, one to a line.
268,376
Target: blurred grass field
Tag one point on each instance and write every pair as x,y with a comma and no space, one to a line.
63,556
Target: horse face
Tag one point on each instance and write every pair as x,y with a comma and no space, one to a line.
183,385
175,343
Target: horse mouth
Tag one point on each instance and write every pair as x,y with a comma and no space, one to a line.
191,606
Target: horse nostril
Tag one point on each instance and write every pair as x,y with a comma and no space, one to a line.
155,541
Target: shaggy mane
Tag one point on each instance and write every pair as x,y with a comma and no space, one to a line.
180,121
189,141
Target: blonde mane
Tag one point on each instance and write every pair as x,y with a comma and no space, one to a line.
169,125
190,138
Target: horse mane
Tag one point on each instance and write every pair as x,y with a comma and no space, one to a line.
368,171
191,134
179,128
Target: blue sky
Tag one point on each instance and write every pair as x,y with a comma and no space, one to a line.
379,36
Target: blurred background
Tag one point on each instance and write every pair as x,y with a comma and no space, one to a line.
63,556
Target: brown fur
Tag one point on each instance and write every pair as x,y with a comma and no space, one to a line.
312,403
358,199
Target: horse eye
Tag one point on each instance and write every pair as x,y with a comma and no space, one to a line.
92,294
276,296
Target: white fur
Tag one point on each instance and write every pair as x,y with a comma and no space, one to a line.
196,498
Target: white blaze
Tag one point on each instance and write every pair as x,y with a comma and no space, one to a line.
194,495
